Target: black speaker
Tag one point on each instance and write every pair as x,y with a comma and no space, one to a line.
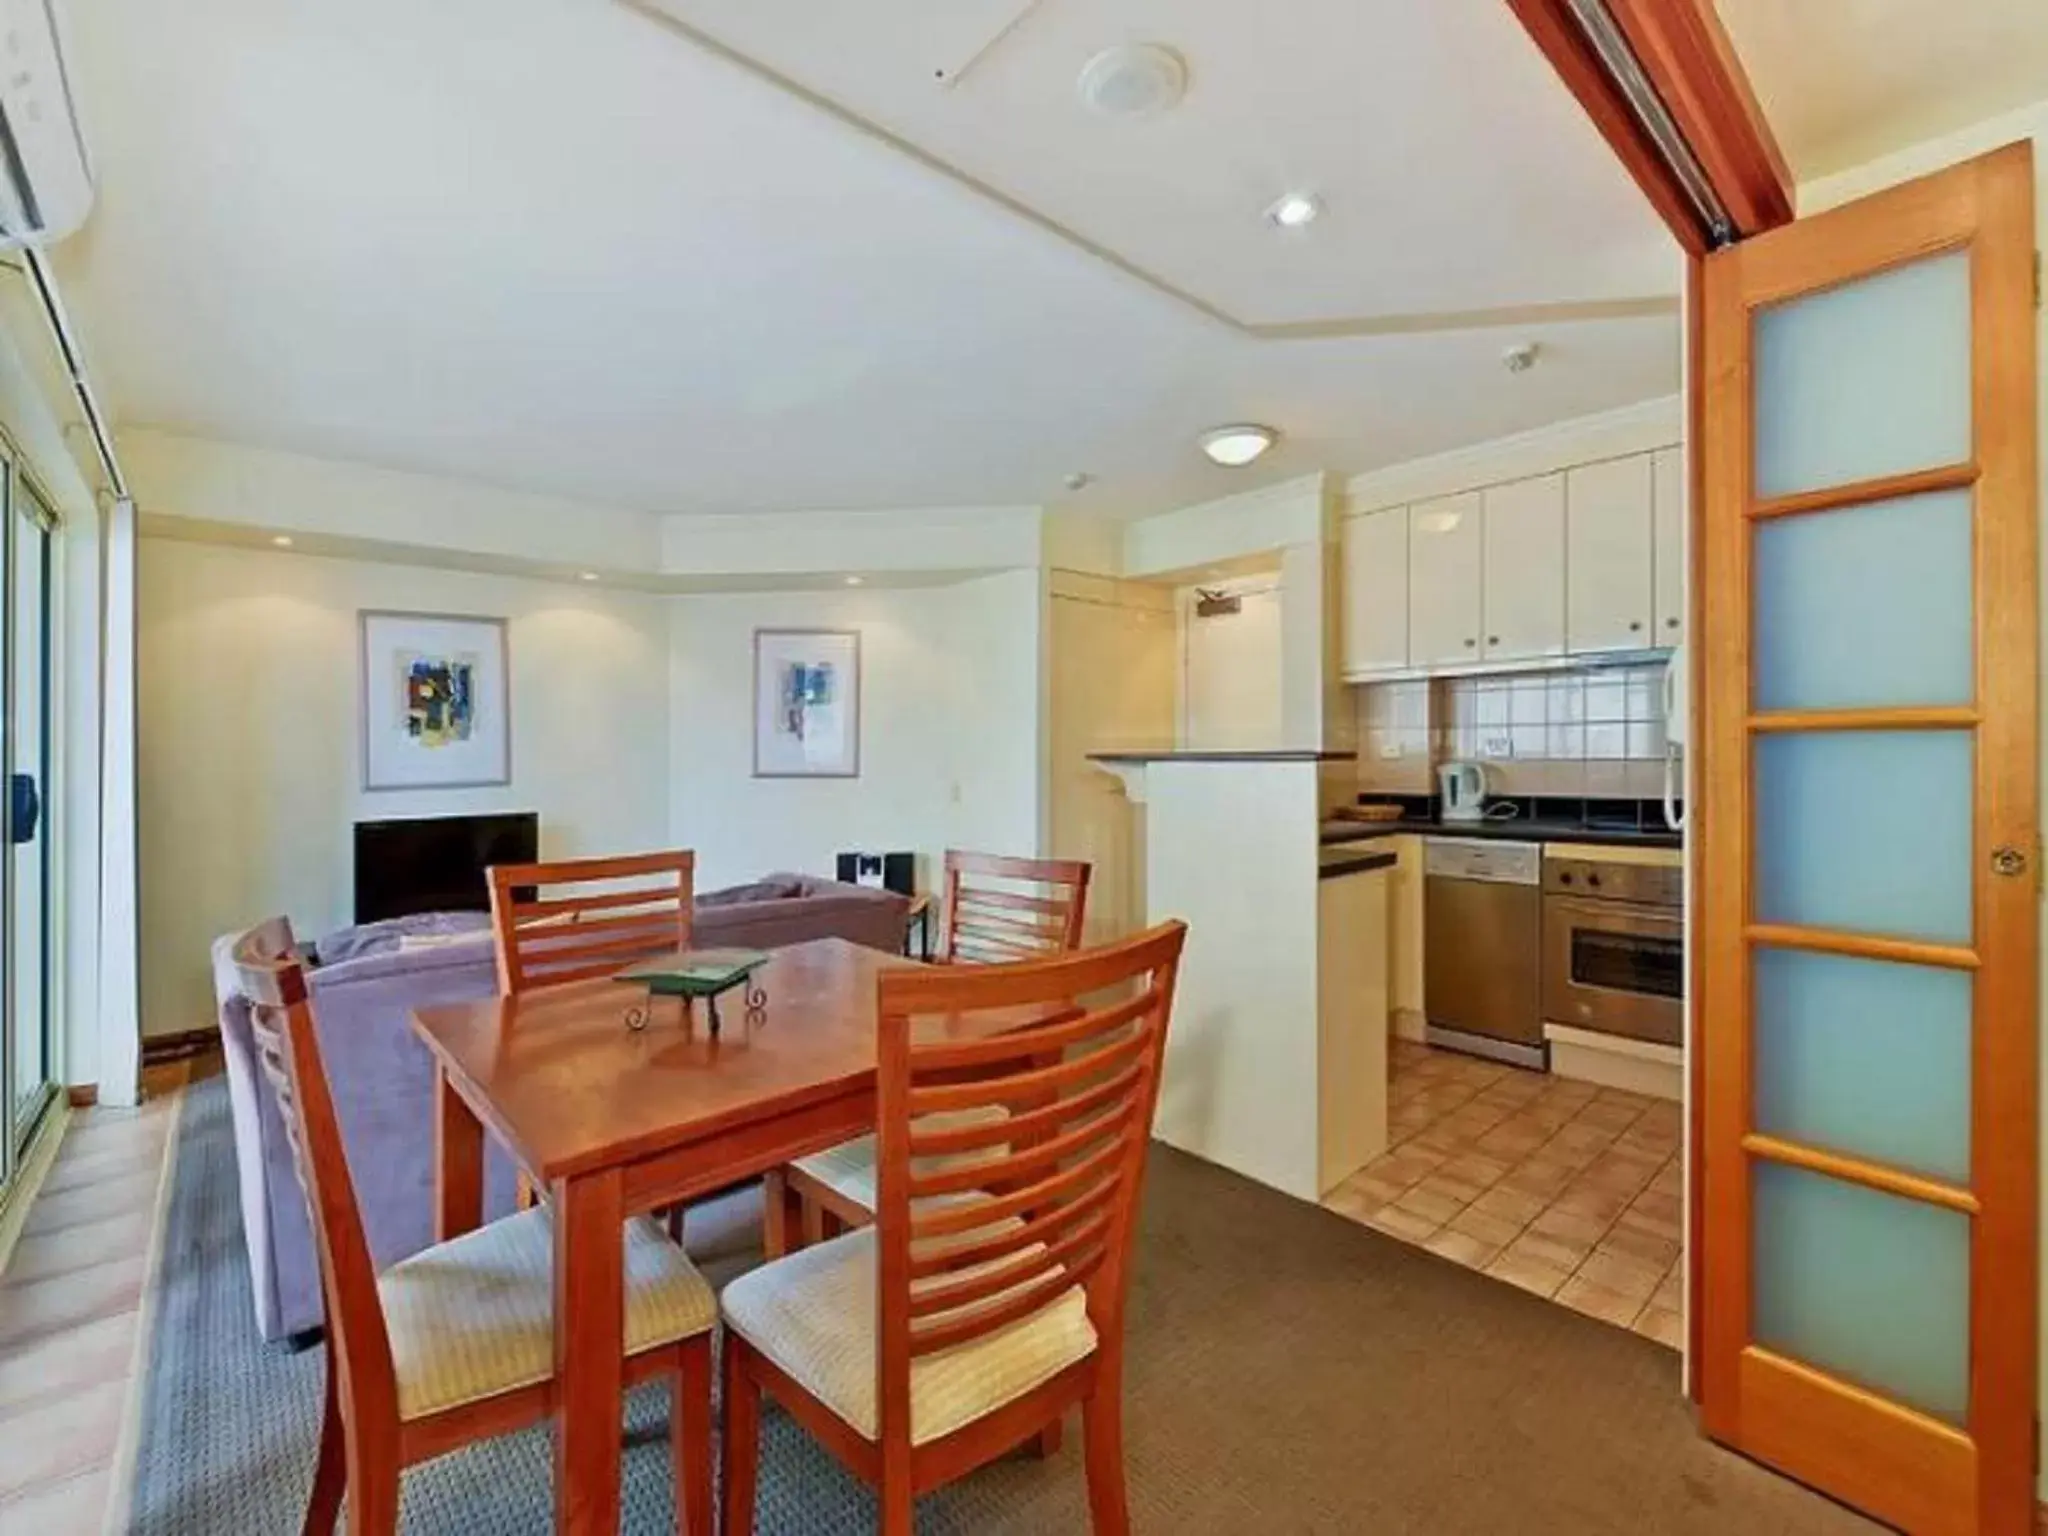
892,871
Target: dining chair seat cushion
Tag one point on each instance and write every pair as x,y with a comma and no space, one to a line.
853,1168
475,1316
813,1314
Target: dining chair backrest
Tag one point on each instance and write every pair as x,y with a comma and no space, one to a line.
575,919
984,1220
998,909
271,976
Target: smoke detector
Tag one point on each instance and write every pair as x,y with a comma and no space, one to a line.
1134,80
1519,359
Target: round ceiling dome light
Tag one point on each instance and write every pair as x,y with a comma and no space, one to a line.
1236,446
1134,80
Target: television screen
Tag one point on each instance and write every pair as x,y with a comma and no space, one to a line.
437,863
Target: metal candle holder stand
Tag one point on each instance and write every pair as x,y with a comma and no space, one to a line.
641,1013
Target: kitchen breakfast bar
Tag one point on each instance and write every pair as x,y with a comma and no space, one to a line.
1276,1065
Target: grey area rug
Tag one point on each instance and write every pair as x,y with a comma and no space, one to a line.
1289,1371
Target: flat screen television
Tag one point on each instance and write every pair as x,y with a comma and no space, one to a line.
437,863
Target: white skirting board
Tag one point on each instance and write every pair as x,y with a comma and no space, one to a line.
1612,1062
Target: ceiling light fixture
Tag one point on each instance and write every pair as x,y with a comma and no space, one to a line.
586,575
1297,210
282,540
1135,80
1236,446
854,581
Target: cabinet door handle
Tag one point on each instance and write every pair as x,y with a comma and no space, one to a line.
1671,623
1493,639
1634,625
1470,643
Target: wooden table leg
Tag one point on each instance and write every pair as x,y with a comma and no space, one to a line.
458,1163
590,1351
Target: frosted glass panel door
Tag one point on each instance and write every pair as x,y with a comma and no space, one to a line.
1866,847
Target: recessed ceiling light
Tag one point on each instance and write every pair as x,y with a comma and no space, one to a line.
854,581
282,540
1236,446
586,575
1297,210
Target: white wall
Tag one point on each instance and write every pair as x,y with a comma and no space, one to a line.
950,727
2030,123
250,757
1233,679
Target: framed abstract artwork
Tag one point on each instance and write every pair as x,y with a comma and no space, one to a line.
806,704
436,701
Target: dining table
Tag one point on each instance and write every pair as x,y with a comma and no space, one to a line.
618,1102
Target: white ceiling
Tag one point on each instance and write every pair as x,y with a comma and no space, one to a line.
562,245
1844,81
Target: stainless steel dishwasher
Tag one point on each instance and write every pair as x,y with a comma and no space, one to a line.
1482,937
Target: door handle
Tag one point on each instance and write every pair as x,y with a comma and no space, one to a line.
2009,860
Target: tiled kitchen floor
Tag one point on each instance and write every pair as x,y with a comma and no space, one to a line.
1568,1190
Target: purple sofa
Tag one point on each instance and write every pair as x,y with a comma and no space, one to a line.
365,984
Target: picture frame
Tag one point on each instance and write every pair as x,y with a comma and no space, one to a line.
807,686
435,700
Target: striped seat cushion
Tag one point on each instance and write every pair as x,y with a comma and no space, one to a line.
853,1168
813,1315
475,1316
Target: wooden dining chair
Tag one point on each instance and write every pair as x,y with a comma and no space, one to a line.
456,1343
995,908
988,1297
579,919
571,920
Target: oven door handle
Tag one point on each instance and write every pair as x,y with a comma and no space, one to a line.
1617,917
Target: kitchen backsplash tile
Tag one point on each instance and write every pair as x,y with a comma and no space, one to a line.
1573,731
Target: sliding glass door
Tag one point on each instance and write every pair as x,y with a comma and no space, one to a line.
27,1064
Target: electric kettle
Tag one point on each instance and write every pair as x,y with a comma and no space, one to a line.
1462,788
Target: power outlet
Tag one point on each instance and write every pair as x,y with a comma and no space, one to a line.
1497,746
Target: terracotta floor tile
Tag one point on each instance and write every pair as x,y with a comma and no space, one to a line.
1509,1204
1530,1274
1406,1225
1670,1290
1592,1201
1463,1248
1621,1274
1354,1203
1662,1324
1564,1253
1569,1227
1583,1295
1496,1230
1431,1203
1642,1247
1475,1168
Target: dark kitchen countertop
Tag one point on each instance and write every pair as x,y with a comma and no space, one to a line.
1347,859
1527,830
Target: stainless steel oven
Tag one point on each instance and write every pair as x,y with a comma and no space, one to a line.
1614,942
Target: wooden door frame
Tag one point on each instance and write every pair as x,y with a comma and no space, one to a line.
1906,1467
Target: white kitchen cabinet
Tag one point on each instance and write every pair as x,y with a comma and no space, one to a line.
1523,584
1608,519
1667,498
1445,549
1376,593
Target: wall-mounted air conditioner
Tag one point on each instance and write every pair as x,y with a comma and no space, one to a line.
45,180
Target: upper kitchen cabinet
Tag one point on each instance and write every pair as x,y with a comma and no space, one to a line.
1445,555
1524,570
1376,593
1608,519
1667,496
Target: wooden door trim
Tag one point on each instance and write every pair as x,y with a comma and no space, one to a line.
1687,57
1904,1466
